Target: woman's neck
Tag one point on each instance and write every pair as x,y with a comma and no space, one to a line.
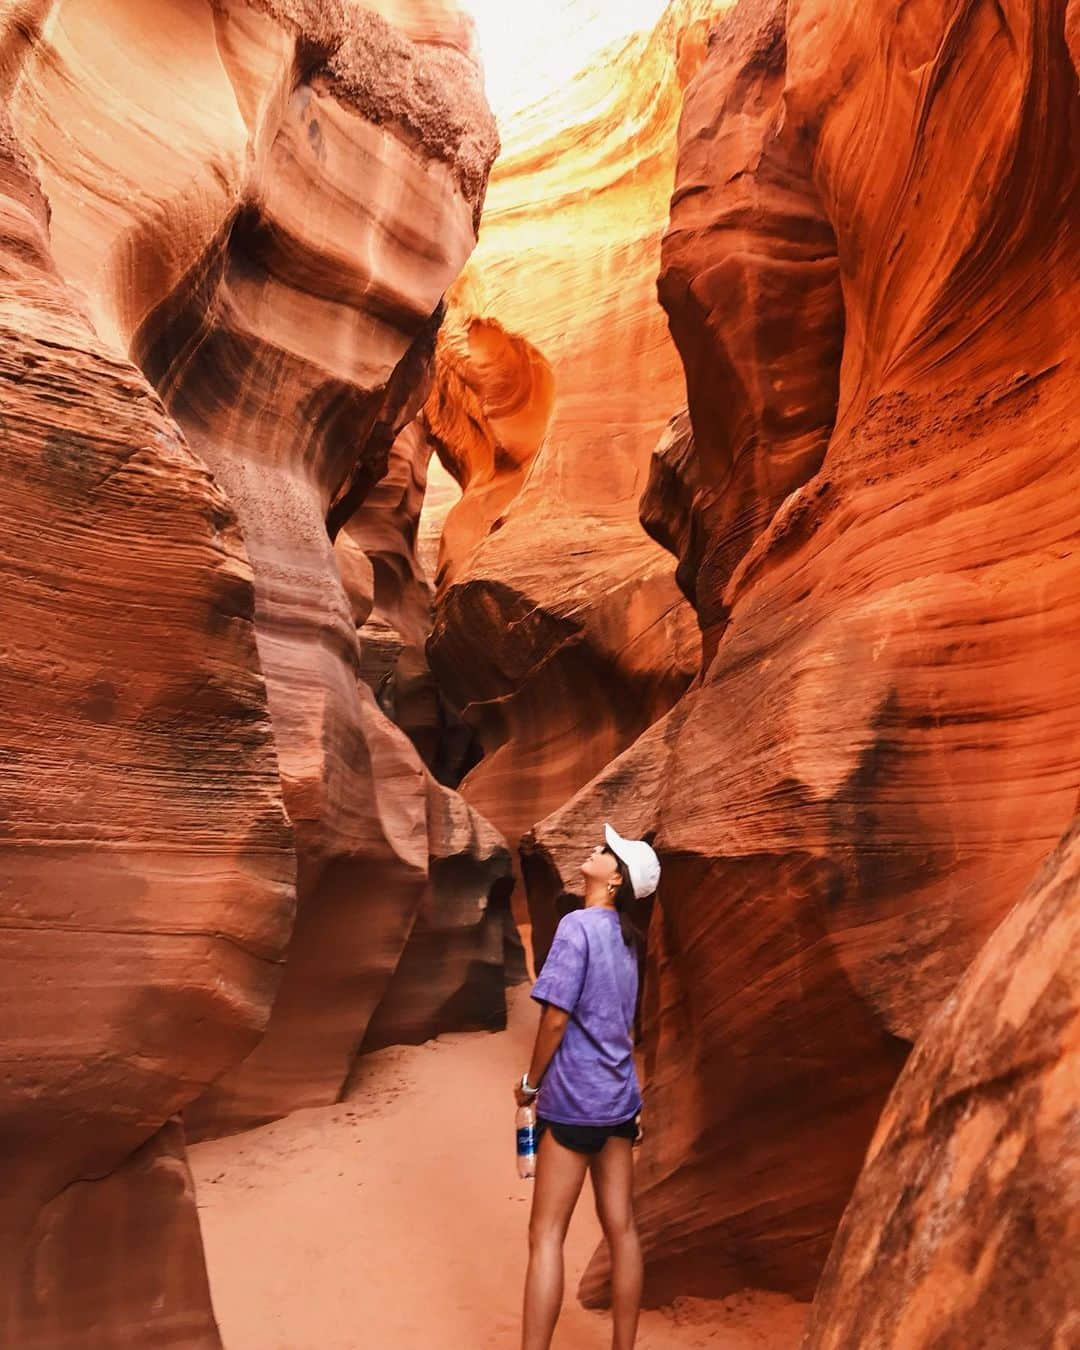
598,899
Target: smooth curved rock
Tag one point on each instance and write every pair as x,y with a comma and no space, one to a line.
751,284
881,749
262,205
464,947
560,632
964,1228
390,593
488,414
670,507
146,861
118,1260
323,191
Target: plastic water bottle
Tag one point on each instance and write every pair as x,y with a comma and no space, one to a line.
525,1121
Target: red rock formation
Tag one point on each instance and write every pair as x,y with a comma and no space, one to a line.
118,1260
670,506
559,629
463,946
964,1228
391,595
881,749
488,414
324,192
751,283
146,862
262,204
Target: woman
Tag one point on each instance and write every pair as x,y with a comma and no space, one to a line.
585,1084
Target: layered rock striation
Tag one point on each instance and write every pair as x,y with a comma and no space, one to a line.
388,578
146,859
751,282
321,198
226,233
964,1227
559,630
879,752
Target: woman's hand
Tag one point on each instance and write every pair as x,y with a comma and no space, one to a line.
640,1132
522,1098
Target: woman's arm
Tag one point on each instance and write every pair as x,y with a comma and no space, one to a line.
549,1033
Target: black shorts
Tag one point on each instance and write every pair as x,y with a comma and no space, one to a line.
586,1138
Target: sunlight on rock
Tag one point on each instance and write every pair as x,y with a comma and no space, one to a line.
531,50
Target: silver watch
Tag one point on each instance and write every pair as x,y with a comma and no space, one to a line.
532,1091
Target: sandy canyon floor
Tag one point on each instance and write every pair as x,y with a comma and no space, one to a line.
396,1220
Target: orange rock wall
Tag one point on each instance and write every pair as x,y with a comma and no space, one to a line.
880,751
257,207
390,592
146,861
318,207
750,279
964,1228
559,628
463,947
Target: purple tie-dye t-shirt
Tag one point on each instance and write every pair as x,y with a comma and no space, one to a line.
592,974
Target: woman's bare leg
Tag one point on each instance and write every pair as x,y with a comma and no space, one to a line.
613,1185
556,1187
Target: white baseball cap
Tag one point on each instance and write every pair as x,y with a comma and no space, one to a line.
641,862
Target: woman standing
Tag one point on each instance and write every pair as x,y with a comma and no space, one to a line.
588,1099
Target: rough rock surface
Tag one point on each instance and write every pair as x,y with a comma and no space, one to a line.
146,861
964,1228
881,750
560,631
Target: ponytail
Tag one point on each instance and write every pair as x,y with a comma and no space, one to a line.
624,900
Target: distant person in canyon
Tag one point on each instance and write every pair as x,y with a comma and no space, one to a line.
584,1082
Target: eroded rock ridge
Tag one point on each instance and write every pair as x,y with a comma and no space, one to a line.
226,232
873,500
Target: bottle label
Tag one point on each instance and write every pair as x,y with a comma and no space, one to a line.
526,1139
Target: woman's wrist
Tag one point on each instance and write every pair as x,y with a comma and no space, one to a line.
526,1086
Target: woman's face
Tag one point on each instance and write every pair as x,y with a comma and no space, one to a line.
601,864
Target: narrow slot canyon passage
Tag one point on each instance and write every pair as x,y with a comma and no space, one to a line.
433,433
402,1208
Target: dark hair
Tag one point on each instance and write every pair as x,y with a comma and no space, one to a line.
624,898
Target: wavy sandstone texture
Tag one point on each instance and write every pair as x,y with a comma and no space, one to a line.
323,190
389,585
559,629
146,861
964,1228
751,282
464,946
881,750
258,206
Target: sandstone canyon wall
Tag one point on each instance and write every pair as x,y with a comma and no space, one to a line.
882,745
964,1228
253,209
459,955
146,859
559,629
